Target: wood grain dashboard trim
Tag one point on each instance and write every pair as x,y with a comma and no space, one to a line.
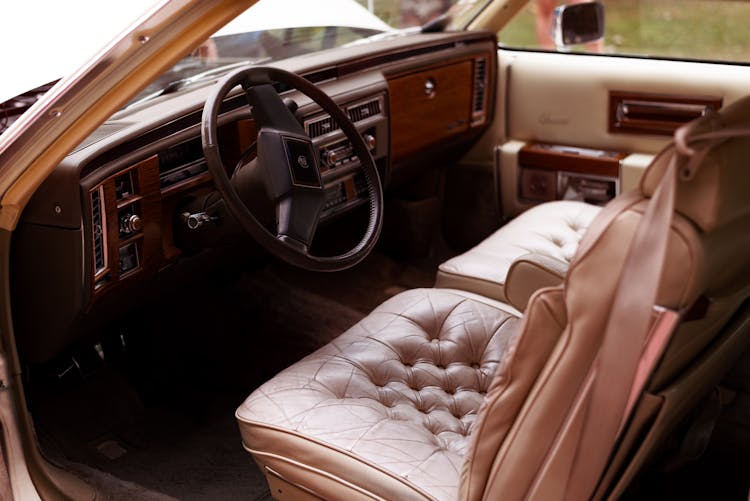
147,201
429,106
458,110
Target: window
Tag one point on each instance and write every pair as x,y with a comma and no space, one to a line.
684,29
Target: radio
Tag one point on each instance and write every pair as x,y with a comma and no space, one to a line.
342,152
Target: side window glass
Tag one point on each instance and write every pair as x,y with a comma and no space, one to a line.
710,30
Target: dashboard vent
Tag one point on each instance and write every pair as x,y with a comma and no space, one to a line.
364,110
357,112
480,91
321,126
98,225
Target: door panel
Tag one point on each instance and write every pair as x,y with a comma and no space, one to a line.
564,100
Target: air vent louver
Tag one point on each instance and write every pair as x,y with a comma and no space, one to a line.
480,90
321,126
325,124
363,111
98,226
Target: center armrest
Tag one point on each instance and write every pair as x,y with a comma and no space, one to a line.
528,274
552,229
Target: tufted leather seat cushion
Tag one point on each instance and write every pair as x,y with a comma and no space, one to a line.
389,405
552,229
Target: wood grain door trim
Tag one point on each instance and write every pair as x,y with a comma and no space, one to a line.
644,113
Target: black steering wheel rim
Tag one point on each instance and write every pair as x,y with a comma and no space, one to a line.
289,250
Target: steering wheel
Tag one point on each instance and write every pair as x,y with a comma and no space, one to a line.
289,162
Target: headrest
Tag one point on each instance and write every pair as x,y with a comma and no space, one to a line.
719,190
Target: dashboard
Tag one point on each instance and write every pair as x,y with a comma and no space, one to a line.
110,216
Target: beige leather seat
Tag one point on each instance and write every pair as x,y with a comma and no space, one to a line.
441,394
385,408
551,230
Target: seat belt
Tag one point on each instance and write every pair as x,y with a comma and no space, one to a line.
608,400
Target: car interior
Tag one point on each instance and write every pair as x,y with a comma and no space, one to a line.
201,315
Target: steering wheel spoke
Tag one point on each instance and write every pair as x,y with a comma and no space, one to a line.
298,216
269,110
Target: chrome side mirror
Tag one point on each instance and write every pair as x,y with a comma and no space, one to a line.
578,23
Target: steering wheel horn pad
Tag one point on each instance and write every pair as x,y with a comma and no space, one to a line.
302,162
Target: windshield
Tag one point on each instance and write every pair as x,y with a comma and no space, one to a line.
268,31
223,52
277,29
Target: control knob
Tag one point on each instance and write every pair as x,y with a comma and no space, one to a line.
331,157
131,223
369,141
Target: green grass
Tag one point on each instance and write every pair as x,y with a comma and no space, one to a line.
695,29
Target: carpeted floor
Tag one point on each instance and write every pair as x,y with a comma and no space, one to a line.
367,285
159,423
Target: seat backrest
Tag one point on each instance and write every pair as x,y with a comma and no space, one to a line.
524,440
